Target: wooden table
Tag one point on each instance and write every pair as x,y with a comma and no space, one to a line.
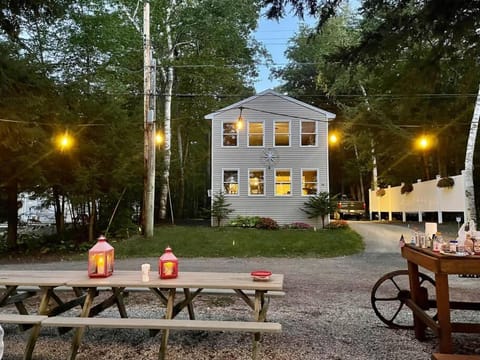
46,282
192,284
166,291
441,266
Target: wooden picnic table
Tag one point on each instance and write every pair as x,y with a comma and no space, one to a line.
441,266
191,283
46,281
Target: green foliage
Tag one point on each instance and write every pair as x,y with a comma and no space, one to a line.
220,208
244,221
78,67
254,222
320,205
385,74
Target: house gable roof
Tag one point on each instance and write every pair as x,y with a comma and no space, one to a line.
251,100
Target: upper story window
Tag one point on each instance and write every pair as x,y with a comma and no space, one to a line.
256,182
230,182
309,182
282,133
255,133
229,134
283,182
308,133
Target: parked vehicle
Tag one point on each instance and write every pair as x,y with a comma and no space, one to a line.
347,208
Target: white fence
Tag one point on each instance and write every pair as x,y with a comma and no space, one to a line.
425,197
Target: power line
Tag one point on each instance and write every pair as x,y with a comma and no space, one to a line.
46,123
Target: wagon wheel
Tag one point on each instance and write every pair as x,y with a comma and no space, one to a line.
390,293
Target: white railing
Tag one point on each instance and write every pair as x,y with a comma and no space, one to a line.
425,197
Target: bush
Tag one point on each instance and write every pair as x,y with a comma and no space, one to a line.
244,221
267,224
337,224
299,226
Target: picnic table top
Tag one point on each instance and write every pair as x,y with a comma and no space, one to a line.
122,278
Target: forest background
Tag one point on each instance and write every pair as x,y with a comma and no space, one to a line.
391,71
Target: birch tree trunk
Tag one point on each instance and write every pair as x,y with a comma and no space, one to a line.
162,214
471,211
181,160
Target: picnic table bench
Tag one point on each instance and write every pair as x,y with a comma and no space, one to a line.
255,294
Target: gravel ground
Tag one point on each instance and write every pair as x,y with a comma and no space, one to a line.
326,314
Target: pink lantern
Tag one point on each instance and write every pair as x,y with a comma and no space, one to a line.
168,265
100,259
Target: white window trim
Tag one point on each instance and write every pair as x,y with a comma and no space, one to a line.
248,134
223,134
264,182
275,181
316,133
223,183
289,134
301,181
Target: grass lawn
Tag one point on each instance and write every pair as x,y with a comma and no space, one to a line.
197,241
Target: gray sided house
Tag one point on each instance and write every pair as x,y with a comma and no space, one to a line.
271,161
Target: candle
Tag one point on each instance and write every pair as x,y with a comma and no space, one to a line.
145,272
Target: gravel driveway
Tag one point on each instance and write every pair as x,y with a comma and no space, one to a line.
326,313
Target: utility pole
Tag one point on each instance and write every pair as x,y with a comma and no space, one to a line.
149,126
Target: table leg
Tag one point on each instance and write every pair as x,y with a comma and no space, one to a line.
168,315
118,293
443,308
188,296
260,315
414,279
42,310
77,338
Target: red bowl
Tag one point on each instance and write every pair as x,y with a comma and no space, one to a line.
261,273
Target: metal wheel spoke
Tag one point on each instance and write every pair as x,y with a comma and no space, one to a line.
387,299
394,283
398,311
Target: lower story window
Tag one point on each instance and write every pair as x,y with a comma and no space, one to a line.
309,182
256,182
283,182
230,182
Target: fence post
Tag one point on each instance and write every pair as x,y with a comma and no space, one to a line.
420,214
439,211
389,202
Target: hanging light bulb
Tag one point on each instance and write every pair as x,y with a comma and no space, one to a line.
240,120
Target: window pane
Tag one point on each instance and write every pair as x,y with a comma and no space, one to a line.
256,181
255,134
230,182
309,182
309,133
282,133
282,182
229,134
308,127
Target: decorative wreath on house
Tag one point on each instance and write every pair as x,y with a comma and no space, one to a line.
406,188
445,182
380,192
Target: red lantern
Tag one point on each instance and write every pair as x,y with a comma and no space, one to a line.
168,265
100,259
